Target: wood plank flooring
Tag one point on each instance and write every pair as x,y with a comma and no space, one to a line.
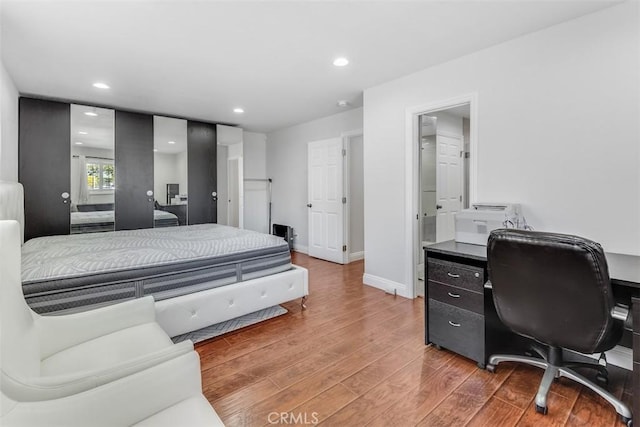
356,357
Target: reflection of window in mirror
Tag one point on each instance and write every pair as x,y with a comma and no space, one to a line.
93,169
101,175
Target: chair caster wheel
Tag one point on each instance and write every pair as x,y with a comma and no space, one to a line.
491,368
627,421
542,410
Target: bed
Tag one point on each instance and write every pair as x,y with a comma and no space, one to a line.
199,275
98,221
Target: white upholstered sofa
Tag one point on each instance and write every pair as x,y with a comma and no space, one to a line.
113,366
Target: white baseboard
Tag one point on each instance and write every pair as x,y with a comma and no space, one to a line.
301,249
355,256
386,285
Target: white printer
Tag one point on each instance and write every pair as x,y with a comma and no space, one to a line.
475,224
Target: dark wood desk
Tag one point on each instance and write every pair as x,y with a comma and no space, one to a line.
178,210
480,333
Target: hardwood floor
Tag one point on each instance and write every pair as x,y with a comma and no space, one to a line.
357,357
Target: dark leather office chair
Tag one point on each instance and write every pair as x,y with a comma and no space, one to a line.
555,289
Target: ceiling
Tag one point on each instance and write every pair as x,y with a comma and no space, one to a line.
169,135
202,59
92,131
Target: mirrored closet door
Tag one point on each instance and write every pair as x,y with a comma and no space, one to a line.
92,169
88,169
170,174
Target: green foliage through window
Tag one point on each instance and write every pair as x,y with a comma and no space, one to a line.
101,175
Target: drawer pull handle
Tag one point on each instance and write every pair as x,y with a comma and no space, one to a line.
453,295
456,325
455,276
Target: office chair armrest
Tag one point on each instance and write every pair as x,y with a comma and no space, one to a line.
622,312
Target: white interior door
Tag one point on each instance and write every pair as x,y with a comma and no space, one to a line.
448,184
326,214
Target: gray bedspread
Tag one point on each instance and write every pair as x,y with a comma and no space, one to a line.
63,272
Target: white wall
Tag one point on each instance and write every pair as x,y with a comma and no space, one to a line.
223,198
168,168
8,127
182,172
255,155
558,132
356,198
287,166
447,122
256,205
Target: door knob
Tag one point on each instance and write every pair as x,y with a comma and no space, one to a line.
65,197
438,206
309,205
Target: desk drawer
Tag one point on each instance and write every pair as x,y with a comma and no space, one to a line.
458,330
458,297
454,274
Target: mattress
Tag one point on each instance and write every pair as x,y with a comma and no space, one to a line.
80,271
95,221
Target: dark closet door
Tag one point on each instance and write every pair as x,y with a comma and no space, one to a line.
202,173
134,171
45,166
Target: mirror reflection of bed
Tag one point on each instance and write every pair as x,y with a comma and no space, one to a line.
94,218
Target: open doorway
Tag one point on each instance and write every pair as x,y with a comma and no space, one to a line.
444,151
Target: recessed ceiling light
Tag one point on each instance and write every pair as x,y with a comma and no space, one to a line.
340,62
171,142
238,110
91,113
155,150
343,103
101,85
81,132
79,143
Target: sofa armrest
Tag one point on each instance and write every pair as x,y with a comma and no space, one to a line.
123,402
55,387
57,333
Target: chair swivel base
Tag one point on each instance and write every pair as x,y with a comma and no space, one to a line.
552,372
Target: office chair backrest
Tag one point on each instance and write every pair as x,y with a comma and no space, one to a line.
553,288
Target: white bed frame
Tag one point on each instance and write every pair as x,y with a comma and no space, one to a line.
198,310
